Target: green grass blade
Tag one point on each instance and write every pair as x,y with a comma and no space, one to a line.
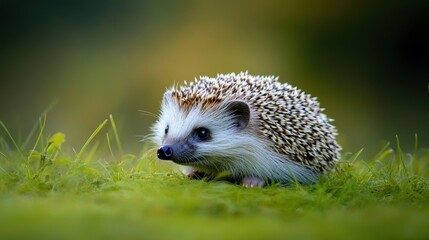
4,155
106,170
110,146
96,131
42,123
33,130
91,155
355,156
12,139
399,157
383,152
118,141
30,135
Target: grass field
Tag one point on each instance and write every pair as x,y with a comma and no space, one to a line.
48,191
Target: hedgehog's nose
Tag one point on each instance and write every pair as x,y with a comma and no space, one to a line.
165,153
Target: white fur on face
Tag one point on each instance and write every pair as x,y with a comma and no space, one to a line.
242,153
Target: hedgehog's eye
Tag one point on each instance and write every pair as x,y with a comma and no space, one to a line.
166,129
202,133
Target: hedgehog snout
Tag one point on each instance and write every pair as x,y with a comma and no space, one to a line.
181,151
165,153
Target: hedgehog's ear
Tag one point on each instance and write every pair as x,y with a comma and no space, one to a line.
240,111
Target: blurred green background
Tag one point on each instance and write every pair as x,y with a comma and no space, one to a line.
367,62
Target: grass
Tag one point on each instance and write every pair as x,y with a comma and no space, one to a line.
50,192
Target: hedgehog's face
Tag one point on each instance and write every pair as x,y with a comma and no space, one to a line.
196,135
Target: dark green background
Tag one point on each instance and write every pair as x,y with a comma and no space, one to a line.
366,61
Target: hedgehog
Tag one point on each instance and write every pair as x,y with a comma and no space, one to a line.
253,128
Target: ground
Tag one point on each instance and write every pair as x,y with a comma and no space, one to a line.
48,192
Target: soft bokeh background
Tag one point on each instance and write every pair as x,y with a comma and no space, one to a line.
367,62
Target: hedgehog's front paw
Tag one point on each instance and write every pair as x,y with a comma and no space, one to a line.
193,173
252,182
196,175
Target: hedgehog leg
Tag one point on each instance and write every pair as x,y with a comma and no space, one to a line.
193,173
252,182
